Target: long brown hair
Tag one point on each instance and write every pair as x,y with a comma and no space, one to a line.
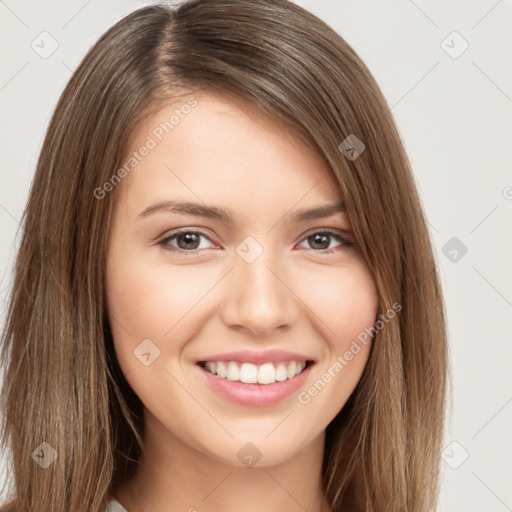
62,384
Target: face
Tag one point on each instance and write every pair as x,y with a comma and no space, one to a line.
238,309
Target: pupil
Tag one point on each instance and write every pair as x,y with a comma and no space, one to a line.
320,236
189,239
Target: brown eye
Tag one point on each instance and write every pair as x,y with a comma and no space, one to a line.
321,240
187,241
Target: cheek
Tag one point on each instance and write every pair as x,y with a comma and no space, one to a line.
344,301
347,304
150,300
358,307
145,305
146,298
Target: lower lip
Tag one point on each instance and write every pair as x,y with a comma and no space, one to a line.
256,395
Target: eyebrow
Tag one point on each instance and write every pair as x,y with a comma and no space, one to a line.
225,215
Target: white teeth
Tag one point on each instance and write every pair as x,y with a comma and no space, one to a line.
221,369
281,373
249,373
233,372
266,374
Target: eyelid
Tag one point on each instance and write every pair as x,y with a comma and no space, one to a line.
347,241
333,231
180,231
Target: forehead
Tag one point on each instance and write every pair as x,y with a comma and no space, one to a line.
210,148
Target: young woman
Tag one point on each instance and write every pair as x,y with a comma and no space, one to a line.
225,296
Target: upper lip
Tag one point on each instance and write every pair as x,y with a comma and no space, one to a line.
257,357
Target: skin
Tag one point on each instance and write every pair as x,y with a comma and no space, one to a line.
294,296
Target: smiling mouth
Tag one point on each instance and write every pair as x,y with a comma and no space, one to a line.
249,373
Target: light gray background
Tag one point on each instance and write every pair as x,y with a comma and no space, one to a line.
454,116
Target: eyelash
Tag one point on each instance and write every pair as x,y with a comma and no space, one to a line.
347,243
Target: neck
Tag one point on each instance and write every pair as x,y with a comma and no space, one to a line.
174,476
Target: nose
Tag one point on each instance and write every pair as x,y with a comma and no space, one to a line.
258,297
